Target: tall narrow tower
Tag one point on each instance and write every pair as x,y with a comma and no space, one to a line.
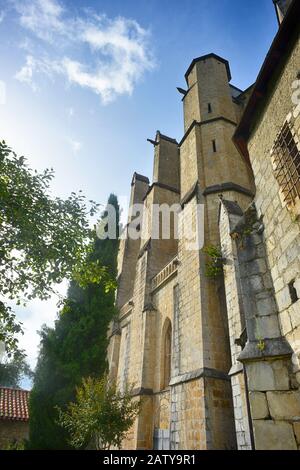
201,397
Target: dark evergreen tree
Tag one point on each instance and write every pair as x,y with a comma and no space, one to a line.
75,348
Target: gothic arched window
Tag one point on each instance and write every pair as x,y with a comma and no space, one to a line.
166,354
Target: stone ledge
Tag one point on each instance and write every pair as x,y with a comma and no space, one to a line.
199,373
190,194
273,348
157,184
229,186
236,369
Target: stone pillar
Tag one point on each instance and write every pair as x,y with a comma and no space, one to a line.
155,252
273,391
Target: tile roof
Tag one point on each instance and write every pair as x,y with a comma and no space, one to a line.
14,404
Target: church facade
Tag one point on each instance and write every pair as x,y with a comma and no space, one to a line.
210,334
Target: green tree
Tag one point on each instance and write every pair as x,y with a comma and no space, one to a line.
101,415
74,348
43,239
13,370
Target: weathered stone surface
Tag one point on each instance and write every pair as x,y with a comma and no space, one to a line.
260,376
284,405
297,287
284,299
296,427
259,406
272,435
281,374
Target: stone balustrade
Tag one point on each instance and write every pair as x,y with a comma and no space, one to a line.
165,273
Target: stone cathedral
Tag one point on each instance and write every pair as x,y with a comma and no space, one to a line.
215,358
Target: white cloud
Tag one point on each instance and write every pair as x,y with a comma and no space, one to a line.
25,74
118,56
75,144
41,17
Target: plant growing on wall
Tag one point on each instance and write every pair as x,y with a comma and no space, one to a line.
214,267
245,227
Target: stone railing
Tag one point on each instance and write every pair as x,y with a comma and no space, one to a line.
125,309
165,273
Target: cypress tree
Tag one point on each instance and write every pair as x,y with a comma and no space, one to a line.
75,348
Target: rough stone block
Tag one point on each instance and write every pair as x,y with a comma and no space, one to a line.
297,287
284,405
281,374
266,306
260,376
259,406
296,427
283,299
256,283
272,435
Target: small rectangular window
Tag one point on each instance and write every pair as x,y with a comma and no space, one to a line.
286,161
214,145
209,107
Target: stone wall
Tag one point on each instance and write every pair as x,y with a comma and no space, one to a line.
278,401
230,213
273,392
11,431
282,230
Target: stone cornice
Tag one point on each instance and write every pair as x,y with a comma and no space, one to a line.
205,372
203,123
229,186
190,194
162,186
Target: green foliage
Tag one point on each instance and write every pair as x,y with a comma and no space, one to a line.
15,445
9,328
13,370
73,349
214,267
43,239
101,415
245,227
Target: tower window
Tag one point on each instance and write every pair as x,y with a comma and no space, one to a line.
214,145
209,108
286,160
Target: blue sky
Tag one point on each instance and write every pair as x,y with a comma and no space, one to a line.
83,84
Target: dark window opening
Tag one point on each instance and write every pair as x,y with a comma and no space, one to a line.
286,158
214,145
293,292
209,108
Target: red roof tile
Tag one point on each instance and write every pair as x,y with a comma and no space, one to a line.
14,404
